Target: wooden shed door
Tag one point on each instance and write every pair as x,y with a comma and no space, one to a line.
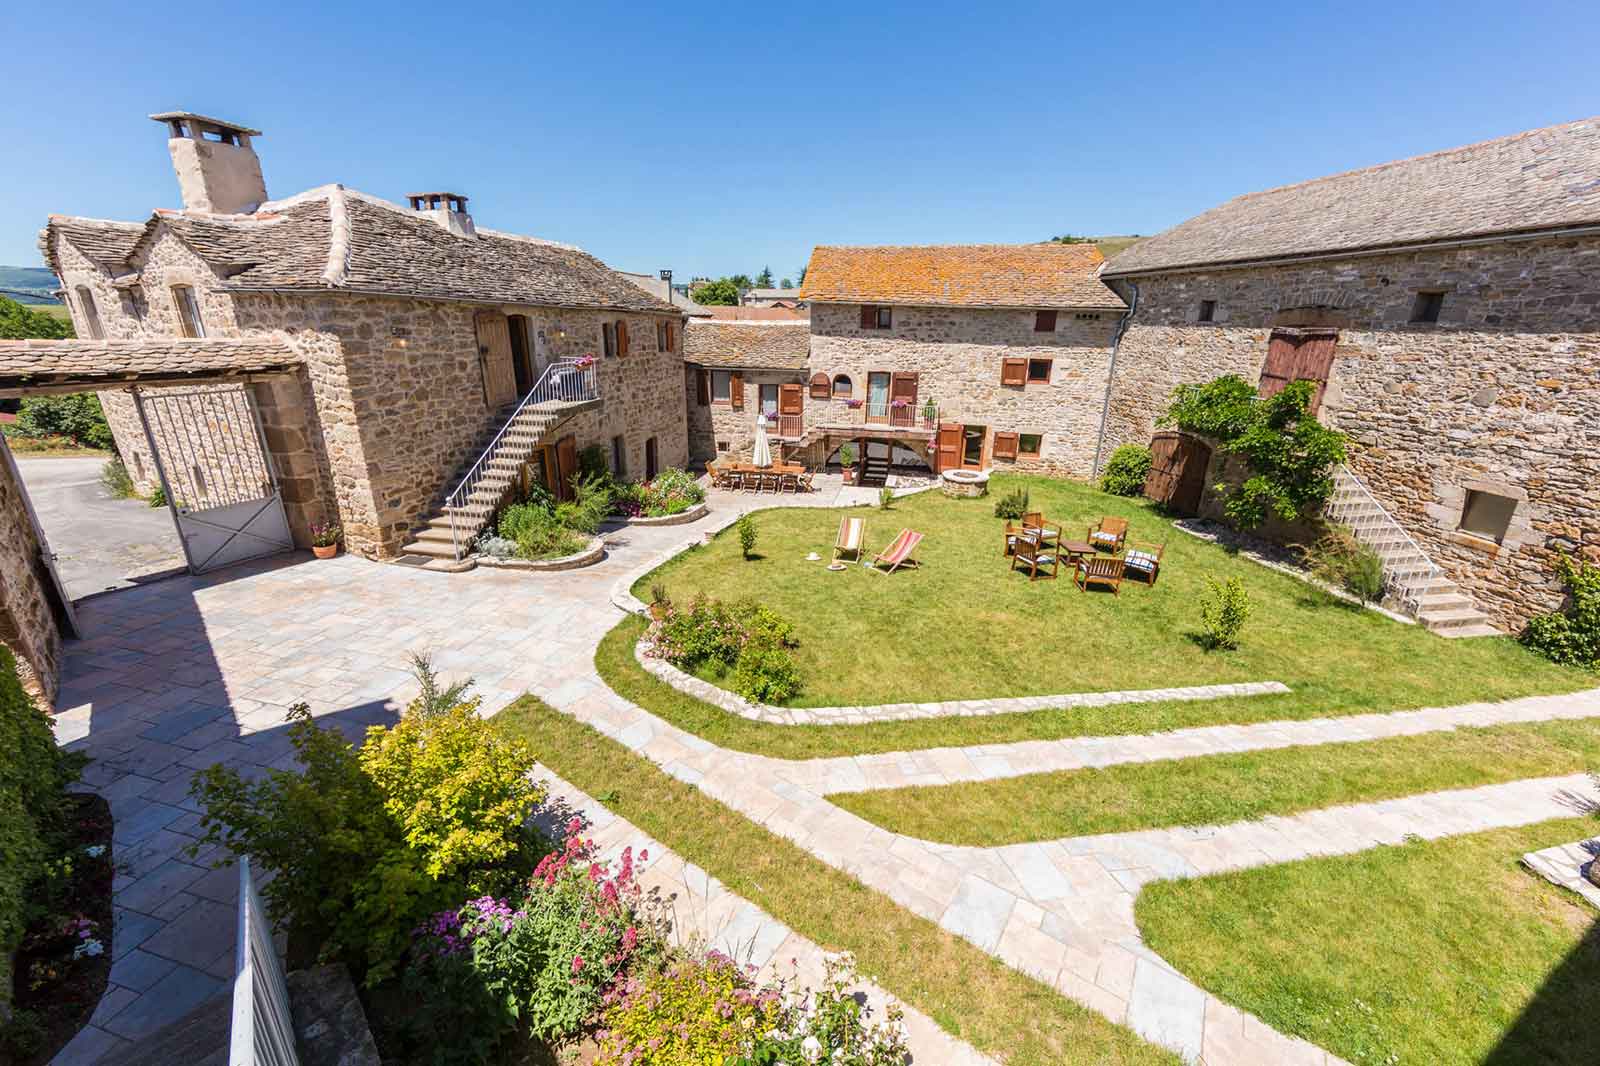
949,454
494,353
1296,355
566,466
1177,478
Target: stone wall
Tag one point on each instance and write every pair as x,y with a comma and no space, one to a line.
27,615
1501,395
957,354
722,429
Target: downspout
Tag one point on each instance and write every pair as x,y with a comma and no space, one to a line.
1111,375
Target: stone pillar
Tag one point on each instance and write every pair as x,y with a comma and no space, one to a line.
289,422
27,612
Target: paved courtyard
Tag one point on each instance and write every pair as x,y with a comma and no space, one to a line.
181,674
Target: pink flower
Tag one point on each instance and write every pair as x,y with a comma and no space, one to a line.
577,963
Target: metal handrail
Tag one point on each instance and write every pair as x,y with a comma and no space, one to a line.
909,416
261,1032
563,381
1431,571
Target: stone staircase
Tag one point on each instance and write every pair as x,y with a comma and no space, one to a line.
1415,584
566,387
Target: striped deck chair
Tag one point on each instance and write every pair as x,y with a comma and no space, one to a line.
898,553
852,534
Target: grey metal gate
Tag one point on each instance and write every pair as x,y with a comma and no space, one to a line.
211,456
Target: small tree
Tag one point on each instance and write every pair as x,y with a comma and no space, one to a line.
885,497
785,284
719,293
747,535
77,417
1224,609
764,279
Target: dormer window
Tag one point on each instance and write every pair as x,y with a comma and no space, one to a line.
90,313
189,321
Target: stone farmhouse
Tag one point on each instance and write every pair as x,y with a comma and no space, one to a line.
386,348
789,298
957,356
1448,308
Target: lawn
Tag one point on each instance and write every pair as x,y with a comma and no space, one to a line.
1217,789
1444,952
1011,1017
965,627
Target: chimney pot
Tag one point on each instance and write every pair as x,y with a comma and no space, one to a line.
216,164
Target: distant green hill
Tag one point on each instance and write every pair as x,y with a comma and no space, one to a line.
29,285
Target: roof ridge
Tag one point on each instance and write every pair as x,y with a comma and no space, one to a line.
338,237
85,220
756,321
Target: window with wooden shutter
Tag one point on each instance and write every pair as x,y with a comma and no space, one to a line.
1039,371
622,337
1295,356
821,387
1044,321
869,317
736,392
1029,445
672,336
703,387
608,338
1013,371
1005,446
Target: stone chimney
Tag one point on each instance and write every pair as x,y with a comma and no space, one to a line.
217,168
447,209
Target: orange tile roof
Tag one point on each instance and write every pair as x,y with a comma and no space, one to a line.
960,275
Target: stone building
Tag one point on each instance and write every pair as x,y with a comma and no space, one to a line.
412,334
1448,307
786,298
737,370
966,355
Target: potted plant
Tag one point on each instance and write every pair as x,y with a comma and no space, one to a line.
660,602
325,539
847,460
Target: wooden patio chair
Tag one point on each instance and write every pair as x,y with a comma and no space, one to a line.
803,480
1111,534
1034,556
898,553
1100,570
852,535
1012,533
1035,522
789,481
1144,560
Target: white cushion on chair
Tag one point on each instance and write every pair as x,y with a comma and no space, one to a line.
1108,538
1139,560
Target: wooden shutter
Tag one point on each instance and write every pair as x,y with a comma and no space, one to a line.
1005,446
1044,322
494,356
566,466
1013,371
736,391
1295,356
703,387
949,445
622,337
791,401
869,317
903,387
821,387
672,341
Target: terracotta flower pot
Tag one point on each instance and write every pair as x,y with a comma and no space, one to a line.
325,551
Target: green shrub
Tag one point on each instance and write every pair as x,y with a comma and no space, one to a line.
77,417
158,497
18,322
1012,506
1572,635
766,673
1339,559
1224,609
706,633
885,497
368,843
830,1027
695,1011
747,535
763,623
847,454
1126,471
593,465
34,775
117,482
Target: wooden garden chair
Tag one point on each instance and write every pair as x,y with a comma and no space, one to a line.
1100,570
1144,560
1111,534
852,534
803,479
898,553
1032,554
1035,522
1012,533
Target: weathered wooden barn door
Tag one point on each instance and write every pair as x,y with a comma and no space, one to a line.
948,453
1299,355
494,353
566,466
1177,478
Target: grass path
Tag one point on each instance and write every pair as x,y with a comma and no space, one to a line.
968,992
1446,952
1218,789
964,627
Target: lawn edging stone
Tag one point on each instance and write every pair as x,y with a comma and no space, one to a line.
682,518
734,703
592,553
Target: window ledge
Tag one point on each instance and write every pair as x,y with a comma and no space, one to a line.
1486,545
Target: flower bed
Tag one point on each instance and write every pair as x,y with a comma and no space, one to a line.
592,553
671,493
693,514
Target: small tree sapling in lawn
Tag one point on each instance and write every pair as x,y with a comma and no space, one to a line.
747,535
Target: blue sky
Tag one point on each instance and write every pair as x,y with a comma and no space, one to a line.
718,138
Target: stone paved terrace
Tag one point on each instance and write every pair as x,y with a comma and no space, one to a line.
184,673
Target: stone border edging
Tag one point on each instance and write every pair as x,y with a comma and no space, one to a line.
900,712
1572,866
591,554
682,518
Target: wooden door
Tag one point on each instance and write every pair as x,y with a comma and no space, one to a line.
903,389
1298,355
494,353
948,453
878,385
566,466
1178,465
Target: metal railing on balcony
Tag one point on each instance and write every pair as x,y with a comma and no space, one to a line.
262,1031
919,416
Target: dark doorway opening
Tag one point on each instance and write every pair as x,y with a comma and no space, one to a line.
521,355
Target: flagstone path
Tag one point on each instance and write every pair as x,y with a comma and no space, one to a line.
182,674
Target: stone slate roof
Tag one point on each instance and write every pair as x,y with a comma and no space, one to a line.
660,290
338,239
747,345
742,312
773,294
1543,179
106,243
960,275
105,364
